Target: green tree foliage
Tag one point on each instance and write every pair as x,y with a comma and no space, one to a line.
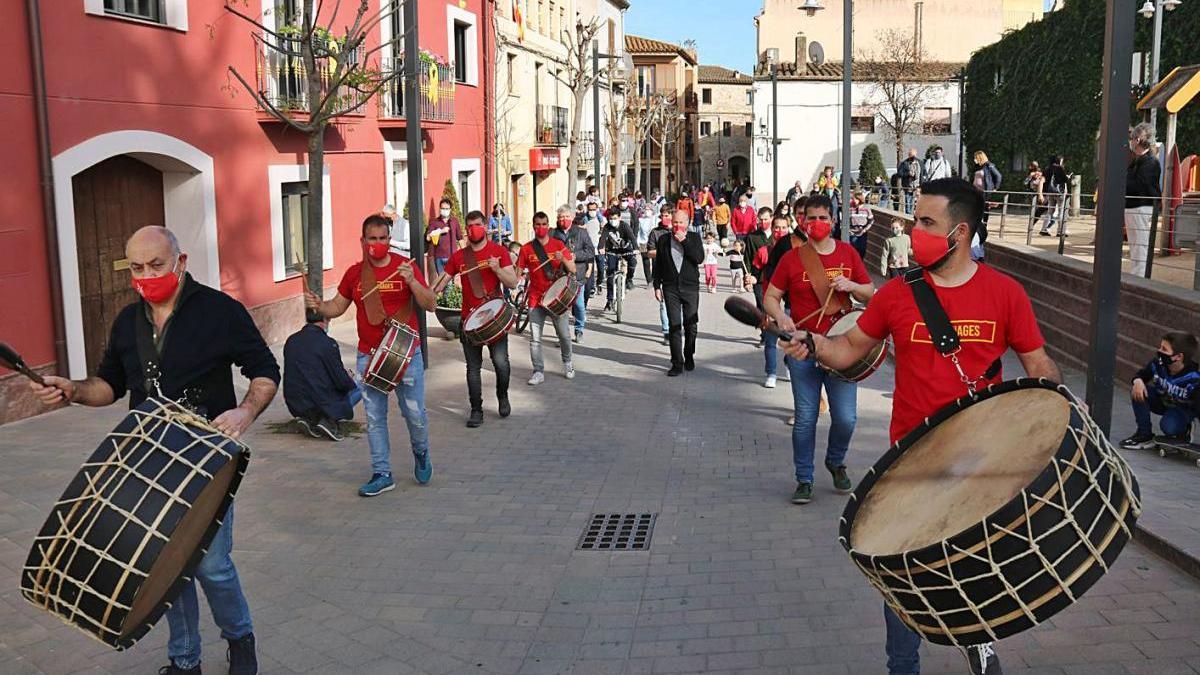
1037,92
450,194
871,165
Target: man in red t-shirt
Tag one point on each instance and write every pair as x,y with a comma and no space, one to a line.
544,266
990,312
845,276
490,266
401,290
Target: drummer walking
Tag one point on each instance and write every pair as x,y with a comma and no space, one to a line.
177,315
818,279
991,313
398,284
544,259
484,265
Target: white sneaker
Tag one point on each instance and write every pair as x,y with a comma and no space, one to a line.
570,371
537,379
770,383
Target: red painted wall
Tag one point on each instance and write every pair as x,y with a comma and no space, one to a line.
106,74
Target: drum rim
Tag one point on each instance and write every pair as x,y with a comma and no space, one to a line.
128,639
872,476
470,333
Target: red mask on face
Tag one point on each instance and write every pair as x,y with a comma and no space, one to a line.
157,289
476,233
541,231
764,225
929,250
564,223
679,229
377,250
666,221
818,230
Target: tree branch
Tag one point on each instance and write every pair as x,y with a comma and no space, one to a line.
270,108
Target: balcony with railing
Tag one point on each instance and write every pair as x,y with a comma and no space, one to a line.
282,80
551,126
436,86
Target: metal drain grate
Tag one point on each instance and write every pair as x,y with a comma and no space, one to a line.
618,532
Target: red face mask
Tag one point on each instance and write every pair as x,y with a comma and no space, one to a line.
157,289
818,229
476,233
929,250
540,231
764,225
666,221
564,223
678,229
377,250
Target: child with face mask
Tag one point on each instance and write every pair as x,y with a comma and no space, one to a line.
1168,386
897,252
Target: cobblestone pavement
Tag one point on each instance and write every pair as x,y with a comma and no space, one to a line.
478,572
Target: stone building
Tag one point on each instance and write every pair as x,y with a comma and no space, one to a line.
662,67
726,121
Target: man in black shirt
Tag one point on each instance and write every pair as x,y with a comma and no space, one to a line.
198,333
677,283
317,387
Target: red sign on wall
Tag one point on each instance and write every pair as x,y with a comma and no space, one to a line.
544,159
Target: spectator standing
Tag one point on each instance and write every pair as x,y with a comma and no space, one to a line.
743,219
987,180
500,225
897,251
910,178
794,192
443,234
721,215
1055,187
1143,180
897,190
1035,183
936,167
861,220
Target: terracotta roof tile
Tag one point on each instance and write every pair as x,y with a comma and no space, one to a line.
932,71
635,44
720,75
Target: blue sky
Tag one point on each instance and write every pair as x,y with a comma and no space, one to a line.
723,31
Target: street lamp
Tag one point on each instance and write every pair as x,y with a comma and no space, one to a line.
773,61
811,6
1154,9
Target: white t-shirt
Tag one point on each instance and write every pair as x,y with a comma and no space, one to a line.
711,251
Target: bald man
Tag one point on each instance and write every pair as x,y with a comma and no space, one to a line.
178,316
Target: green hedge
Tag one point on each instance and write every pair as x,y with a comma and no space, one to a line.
1050,99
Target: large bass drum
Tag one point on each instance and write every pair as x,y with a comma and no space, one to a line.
999,511
131,527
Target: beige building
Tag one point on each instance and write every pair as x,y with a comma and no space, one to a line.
726,124
950,30
532,108
665,67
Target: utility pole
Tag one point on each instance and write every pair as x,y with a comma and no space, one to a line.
847,69
775,129
596,118
1106,268
416,161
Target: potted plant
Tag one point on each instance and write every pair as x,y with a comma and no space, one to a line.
449,310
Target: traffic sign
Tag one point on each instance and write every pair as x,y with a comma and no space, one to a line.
720,162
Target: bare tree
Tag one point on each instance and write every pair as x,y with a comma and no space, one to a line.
667,123
642,114
616,119
578,76
314,75
899,88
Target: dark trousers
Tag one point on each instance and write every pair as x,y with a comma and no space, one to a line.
474,354
612,261
646,268
683,306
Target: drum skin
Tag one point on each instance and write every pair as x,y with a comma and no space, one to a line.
1025,561
494,327
561,295
862,369
117,597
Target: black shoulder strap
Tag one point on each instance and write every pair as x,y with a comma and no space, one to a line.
542,258
941,331
147,353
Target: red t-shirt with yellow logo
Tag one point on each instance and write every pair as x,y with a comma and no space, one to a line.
539,283
990,313
791,278
393,292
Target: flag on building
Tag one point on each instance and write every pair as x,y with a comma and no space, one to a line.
516,12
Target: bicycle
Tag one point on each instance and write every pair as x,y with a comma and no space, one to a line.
619,286
521,305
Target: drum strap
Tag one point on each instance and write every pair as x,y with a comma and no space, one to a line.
373,303
820,281
941,330
544,259
474,275
191,397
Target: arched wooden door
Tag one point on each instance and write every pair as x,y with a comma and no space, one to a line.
112,200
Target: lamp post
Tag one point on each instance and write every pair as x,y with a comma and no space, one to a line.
624,67
847,70
1153,9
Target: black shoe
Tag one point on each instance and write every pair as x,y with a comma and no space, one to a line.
242,659
608,306
1044,233
666,339
675,371
982,660
307,427
1138,442
171,669
690,364
476,418
629,286
505,408
330,429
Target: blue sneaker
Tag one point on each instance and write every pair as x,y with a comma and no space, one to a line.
379,483
422,468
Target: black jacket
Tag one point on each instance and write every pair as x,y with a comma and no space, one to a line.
665,273
315,383
618,238
1142,181
207,334
579,242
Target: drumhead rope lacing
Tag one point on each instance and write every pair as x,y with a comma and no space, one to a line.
46,582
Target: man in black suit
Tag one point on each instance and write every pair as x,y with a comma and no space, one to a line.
677,263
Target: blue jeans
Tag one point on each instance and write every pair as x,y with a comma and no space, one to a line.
909,197
579,309
1174,422
662,317
807,381
411,395
771,352
219,578
903,657
439,265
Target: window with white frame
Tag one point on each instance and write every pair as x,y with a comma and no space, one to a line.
289,195
169,13
294,203
705,129
645,81
462,36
